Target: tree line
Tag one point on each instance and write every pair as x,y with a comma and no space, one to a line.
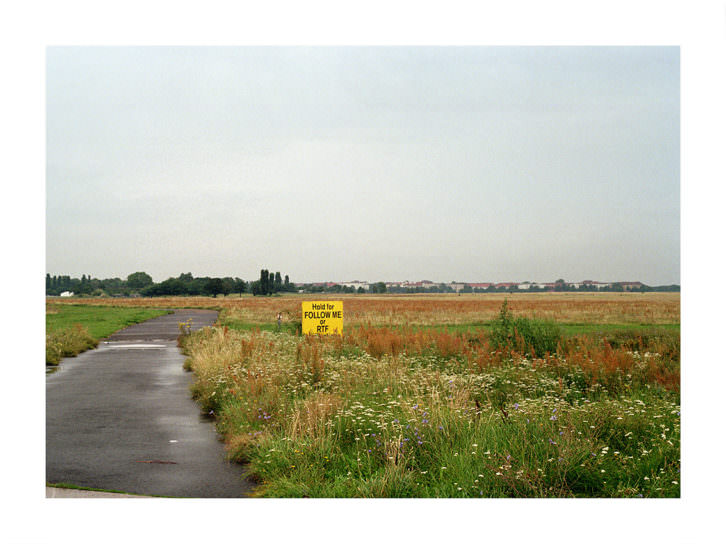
142,284
269,284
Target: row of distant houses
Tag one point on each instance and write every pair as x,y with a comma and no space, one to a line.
508,286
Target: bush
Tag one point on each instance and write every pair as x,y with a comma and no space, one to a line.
526,336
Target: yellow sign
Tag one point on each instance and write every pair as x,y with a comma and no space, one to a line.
325,317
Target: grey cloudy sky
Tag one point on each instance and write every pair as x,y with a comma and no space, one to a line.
371,163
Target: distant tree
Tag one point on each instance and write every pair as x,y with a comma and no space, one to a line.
378,287
265,282
256,288
240,286
138,280
229,285
83,287
215,286
151,291
278,283
170,286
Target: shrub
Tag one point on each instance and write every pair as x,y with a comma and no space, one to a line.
527,336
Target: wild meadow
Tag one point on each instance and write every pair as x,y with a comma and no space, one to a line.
399,406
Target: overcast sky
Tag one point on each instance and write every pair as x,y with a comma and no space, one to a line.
371,163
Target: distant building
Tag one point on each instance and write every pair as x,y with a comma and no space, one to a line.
355,284
506,285
525,285
631,285
594,284
423,285
479,285
67,294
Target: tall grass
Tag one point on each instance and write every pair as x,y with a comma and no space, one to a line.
397,412
524,335
67,342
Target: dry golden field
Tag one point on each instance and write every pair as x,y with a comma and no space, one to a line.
438,309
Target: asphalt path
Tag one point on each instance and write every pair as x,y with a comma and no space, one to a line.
121,417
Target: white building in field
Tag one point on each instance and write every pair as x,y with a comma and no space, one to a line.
67,294
355,284
525,285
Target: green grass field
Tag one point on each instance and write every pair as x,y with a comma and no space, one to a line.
72,329
101,321
568,329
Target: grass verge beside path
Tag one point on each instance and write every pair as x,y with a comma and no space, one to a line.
72,329
380,413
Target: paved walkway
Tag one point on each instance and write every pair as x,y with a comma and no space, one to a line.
62,493
121,417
